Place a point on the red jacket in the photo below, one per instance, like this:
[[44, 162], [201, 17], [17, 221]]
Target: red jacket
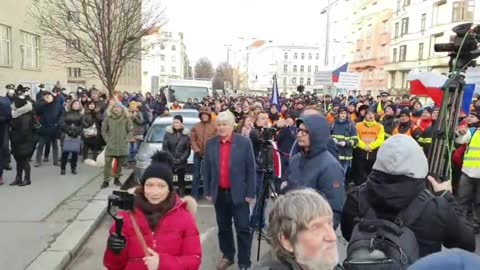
[[176, 240]]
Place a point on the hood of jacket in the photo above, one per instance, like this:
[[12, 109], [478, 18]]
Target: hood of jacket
[[185, 131], [110, 110], [389, 194], [319, 131], [17, 112]]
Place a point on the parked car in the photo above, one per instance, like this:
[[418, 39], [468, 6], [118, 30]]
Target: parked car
[[185, 113], [154, 140]]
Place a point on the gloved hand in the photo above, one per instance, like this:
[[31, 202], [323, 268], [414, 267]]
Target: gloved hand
[[342, 143], [116, 243]]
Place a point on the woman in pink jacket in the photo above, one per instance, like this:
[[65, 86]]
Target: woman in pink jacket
[[165, 221]]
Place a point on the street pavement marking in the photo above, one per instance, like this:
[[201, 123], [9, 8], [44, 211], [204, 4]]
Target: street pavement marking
[[204, 236]]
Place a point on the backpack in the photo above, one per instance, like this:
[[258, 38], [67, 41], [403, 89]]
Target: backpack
[[379, 244]]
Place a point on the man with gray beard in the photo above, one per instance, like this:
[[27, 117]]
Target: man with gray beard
[[301, 234]]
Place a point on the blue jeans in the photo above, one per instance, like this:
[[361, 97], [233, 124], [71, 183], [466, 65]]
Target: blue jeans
[[132, 149], [225, 211], [197, 176]]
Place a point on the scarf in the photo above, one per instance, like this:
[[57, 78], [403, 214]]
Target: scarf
[[17, 112], [154, 212]]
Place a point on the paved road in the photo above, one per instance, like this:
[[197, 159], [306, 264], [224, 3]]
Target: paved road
[[91, 255]]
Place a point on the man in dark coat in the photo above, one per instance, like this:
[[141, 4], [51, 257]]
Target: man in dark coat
[[5, 116], [229, 173]]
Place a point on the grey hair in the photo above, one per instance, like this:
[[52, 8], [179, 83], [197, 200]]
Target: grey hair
[[227, 117], [291, 214]]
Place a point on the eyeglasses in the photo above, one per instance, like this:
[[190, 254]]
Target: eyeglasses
[[302, 131]]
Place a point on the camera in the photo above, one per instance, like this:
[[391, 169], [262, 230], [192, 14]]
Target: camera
[[267, 134], [121, 199]]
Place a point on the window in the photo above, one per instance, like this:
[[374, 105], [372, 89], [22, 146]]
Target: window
[[74, 72], [174, 48], [294, 81], [396, 30], [285, 68], [463, 10], [392, 79], [309, 81], [382, 52], [174, 70], [162, 69], [385, 26], [316, 68], [285, 56], [162, 47], [5, 45], [394, 55], [368, 53], [294, 68], [317, 56], [423, 22], [434, 40], [399, 5], [404, 26], [30, 48], [406, 3], [310, 56], [301, 81], [420, 51], [309, 68], [73, 16], [440, 13], [370, 75], [174, 59], [162, 57], [302, 68], [404, 79], [302, 56], [403, 53], [295, 55]]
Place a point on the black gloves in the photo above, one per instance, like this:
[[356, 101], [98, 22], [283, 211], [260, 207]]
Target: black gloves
[[116, 243]]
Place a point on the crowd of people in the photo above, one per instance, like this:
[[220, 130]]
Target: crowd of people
[[341, 160]]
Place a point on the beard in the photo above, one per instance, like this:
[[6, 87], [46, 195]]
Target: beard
[[319, 263]]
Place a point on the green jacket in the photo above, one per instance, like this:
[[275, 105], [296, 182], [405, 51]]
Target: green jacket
[[116, 131]]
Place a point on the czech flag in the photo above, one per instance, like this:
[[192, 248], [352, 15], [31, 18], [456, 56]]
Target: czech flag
[[430, 84], [336, 72]]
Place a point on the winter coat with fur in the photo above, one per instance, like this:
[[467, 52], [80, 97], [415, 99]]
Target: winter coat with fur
[[72, 124], [176, 239], [177, 143], [22, 134], [116, 131]]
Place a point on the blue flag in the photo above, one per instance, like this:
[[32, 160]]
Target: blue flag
[[274, 99]]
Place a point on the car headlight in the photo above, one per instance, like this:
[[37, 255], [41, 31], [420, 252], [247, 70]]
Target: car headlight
[[143, 163]]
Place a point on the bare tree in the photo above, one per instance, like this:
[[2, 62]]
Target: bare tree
[[100, 35], [223, 74], [203, 69]]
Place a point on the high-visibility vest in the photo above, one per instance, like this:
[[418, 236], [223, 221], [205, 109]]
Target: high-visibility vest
[[471, 159]]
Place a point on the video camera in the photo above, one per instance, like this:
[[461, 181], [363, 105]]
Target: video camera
[[463, 46], [267, 134], [124, 201]]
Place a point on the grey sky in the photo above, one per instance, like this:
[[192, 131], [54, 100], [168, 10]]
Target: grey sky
[[210, 24]]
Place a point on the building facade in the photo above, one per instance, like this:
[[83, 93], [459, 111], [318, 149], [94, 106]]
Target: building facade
[[370, 52], [166, 59], [293, 65], [417, 26], [24, 58]]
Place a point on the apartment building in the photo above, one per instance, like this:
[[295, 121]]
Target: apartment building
[[25, 59], [371, 34], [418, 25]]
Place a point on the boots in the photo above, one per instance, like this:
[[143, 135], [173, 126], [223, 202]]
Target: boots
[[26, 180], [18, 180]]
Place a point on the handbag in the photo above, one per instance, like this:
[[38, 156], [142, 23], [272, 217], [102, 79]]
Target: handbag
[[71, 144], [91, 131]]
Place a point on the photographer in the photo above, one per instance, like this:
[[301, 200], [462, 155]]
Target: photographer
[[166, 222]]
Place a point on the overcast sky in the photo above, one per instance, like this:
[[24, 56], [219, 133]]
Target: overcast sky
[[210, 24]]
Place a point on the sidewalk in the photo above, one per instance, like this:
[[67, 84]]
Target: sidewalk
[[33, 218]]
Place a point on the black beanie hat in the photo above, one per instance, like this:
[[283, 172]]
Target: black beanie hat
[[405, 111], [161, 167], [342, 109], [178, 117]]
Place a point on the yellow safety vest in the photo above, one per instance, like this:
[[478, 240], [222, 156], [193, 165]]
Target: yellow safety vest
[[471, 159]]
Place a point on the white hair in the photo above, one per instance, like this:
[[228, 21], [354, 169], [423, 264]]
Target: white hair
[[227, 117]]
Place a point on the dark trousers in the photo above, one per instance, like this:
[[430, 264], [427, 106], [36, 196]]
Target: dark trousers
[[1, 165], [180, 181], [87, 147], [23, 165], [362, 168], [468, 195], [197, 176], [5, 146], [73, 160], [257, 220], [44, 142], [225, 211]]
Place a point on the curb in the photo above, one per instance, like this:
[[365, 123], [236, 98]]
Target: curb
[[67, 244]]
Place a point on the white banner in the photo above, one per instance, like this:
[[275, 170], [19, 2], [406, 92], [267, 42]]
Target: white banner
[[323, 78], [349, 80]]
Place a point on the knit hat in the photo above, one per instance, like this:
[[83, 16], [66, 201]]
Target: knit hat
[[161, 167], [391, 106], [204, 110], [401, 155], [405, 111], [342, 109], [428, 109], [178, 117]]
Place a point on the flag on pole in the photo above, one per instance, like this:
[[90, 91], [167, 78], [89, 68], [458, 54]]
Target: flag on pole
[[277, 160], [430, 84], [274, 99], [336, 72]]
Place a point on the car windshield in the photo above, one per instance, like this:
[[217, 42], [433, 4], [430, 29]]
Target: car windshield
[[185, 114], [182, 93], [157, 132]]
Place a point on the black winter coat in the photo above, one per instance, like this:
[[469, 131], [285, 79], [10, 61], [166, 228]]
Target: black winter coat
[[438, 224], [178, 144], [92, 118], [50, 115], [22, 134], [72, 124]]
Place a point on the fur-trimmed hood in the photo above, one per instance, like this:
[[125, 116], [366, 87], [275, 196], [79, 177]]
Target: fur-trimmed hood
[[17, 112], [185, 131], [110, 108]]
